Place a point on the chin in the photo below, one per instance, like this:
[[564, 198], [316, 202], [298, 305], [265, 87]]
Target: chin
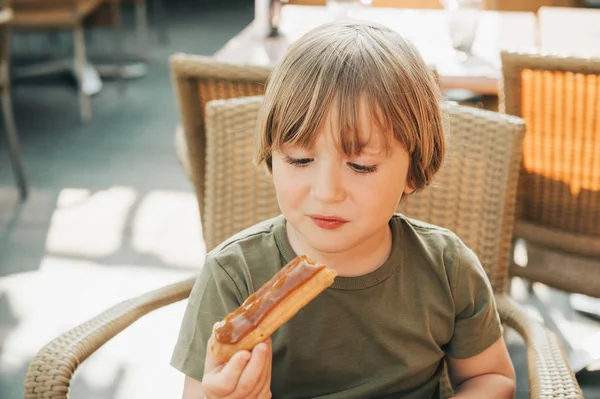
[[326, 241], [330, 248]]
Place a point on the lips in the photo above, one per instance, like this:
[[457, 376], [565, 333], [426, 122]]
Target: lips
[[328, 222]]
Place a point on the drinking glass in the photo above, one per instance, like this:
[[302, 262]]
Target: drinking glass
[[463, 20]]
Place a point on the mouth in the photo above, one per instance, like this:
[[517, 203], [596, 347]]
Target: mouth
[[328, 222], [329, 218]]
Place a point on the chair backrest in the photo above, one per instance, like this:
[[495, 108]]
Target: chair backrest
[[197, 80], [559, 190], [473, 194]]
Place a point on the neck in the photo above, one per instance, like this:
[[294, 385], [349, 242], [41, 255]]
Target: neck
[[357, 261]]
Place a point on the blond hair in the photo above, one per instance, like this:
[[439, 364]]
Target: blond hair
[[334, 65]]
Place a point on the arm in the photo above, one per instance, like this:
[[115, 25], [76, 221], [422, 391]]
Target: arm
[[489, 374], [478, 361]]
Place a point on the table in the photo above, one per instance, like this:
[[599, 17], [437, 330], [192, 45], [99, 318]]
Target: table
[[427, 29]]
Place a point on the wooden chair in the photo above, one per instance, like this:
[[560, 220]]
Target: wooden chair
[[52, 15], [559, 191], [6, 16], [484, 151]]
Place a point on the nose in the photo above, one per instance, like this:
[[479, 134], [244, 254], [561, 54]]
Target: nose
[[328, 183]]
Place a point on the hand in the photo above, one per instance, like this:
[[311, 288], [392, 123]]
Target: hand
[[247, 375]]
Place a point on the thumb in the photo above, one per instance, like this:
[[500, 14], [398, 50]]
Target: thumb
[[234, 367]]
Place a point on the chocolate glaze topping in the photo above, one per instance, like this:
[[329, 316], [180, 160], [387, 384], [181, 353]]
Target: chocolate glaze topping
[[244, 319]]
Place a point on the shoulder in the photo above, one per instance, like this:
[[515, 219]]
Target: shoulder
[[430, 237], [441, 249], [252, 237]]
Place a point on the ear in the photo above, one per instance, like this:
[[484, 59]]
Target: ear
[[408, 189]]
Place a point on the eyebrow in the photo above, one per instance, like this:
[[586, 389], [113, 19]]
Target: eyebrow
[[373, 151]]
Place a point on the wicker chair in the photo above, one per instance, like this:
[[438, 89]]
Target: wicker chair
[[559, 190], [474, 195], [198, 80]]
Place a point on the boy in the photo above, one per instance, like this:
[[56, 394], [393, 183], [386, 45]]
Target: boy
[[349, 126]]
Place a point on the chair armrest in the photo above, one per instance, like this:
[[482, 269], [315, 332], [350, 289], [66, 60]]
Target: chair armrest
[[51, 370], [549, 373]]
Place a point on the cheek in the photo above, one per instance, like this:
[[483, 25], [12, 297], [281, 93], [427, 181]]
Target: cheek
[[287, 185], [384, 195], [384, 192]]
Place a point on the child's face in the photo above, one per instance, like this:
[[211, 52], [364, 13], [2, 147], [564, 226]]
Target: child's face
[[334, 203]]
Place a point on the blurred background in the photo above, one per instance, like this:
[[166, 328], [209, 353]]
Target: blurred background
[[96, 206]]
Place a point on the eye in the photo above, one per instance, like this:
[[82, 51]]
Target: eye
[[362, 168], [300, 162]]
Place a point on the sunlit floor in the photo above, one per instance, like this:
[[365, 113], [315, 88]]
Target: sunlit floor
[[111, 215], [101, 248]]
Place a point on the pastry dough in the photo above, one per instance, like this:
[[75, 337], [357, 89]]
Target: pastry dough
[[276, 302]]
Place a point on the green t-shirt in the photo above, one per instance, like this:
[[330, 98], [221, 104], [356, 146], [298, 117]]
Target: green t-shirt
[[380, 335]]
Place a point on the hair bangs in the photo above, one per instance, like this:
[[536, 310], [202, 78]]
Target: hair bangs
[[347, 102], [360, 123]]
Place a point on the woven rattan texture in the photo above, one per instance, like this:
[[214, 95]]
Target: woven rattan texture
[[559, 189]]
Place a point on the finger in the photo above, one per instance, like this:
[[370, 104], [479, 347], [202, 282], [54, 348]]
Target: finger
[[270, 366], [265, 386], [250, 376], [264, 380], [266, 392], [224, 382]]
